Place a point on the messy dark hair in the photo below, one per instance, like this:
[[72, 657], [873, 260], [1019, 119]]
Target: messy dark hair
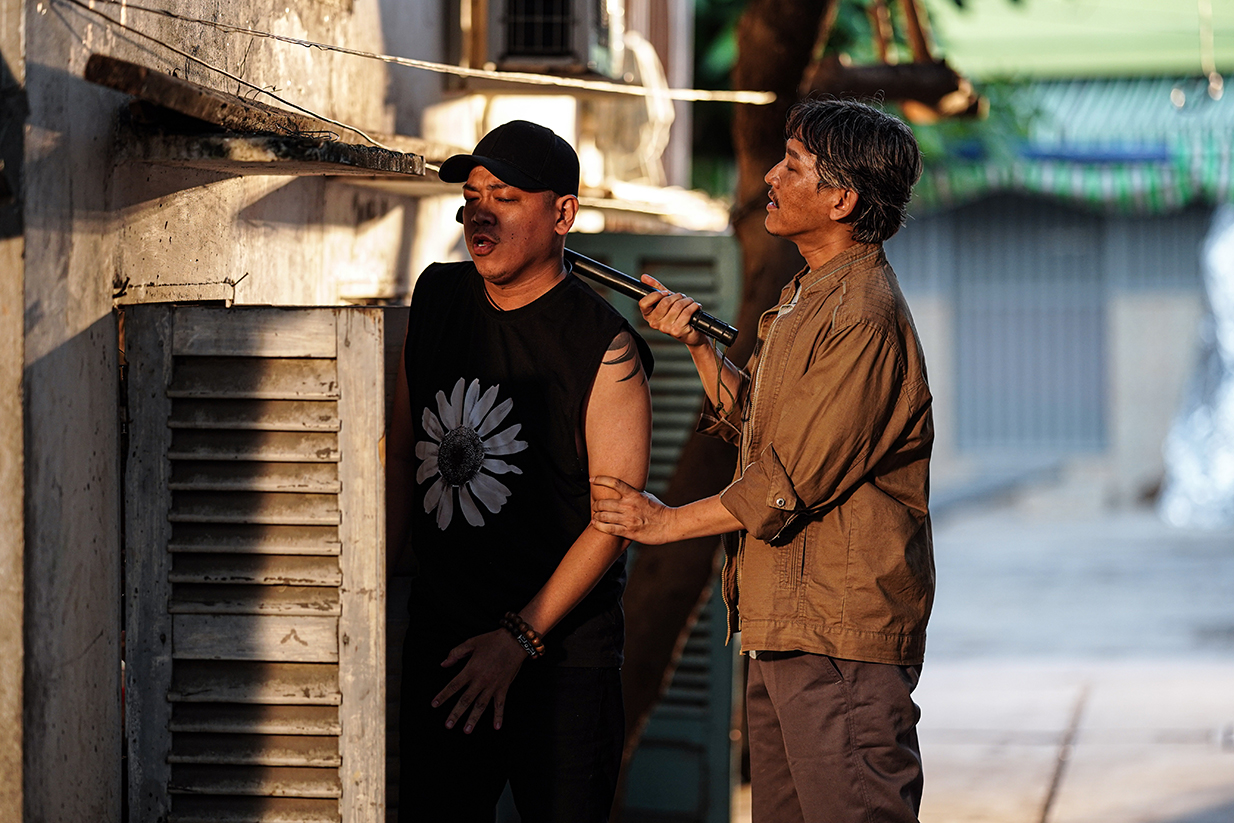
[[859, 147]]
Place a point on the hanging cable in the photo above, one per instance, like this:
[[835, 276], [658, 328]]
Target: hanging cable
[[757, 98]]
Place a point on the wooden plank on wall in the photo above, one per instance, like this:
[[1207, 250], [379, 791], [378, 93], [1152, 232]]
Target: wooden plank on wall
[[317, 751], [243, 538], [259, 415], [254, 719], [256, 332], [148, 626], [207, 475], [298, 639], [255, 507], [192, 99], [293, 447], [244, 116], [13, 111], [211, 681], [227, 598], [208, 809], [262, 569], [246, 378], [362, 640], [269, 781], [256, 154]]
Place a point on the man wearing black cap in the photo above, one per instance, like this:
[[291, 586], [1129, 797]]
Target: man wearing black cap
[[517, 382]]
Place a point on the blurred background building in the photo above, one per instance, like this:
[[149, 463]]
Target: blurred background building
[[1058, 268]]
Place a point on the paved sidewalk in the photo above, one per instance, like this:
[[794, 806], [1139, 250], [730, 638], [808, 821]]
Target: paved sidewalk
[[1123, 742], [1080, 668]]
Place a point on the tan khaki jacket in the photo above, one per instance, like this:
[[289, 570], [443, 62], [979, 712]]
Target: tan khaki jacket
[[834, 428]]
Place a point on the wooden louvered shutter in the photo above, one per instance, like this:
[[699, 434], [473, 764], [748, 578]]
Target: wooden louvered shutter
[[255, 568]]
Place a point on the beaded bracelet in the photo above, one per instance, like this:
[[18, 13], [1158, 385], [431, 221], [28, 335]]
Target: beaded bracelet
[[527, 631], [527, 647], [522, 639], [526, 636]]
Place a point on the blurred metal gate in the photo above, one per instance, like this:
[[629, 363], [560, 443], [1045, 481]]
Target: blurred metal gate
[[1030, 327]]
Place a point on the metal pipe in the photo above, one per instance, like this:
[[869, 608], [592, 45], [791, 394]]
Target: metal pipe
[[619, 281]]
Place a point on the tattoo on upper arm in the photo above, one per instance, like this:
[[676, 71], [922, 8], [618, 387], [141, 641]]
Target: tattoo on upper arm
[[624, 350]]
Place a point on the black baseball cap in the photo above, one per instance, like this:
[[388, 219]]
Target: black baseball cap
[[521, 154]]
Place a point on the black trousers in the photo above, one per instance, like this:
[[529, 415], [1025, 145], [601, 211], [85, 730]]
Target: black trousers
[[832, 741], [559, 747]]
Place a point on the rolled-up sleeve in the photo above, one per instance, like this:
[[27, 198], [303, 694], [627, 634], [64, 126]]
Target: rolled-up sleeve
[[828, 425], [725, 424]]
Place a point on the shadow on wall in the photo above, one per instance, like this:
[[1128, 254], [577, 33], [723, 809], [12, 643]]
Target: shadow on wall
[[13, 111], [173, 218], [415, 30], [72, 722]]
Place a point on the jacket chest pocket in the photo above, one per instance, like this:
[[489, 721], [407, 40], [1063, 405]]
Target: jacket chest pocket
[[771, 579], [790, 561], [789, 574]]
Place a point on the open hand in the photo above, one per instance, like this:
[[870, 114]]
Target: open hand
[[635, 514], [495, 659], [670, 312]]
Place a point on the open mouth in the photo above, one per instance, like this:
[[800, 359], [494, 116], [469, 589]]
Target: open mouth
[[772, 203], [482, 243]]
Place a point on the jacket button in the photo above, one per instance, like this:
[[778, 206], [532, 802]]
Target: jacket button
[[779, 501]]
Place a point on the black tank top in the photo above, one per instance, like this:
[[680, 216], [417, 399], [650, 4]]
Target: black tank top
[[501, 491]]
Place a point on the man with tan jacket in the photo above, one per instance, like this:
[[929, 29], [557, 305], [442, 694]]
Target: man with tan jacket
[[832, 578]]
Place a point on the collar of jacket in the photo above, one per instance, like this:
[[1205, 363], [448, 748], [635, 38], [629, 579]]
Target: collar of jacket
[[852, 256]]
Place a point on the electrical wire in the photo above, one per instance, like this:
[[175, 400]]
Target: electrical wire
[[757, 98]]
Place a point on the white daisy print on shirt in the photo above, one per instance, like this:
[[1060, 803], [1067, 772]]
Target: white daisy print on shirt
[[463, 455]]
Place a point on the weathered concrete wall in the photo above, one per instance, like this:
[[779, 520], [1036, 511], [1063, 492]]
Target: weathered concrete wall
[[284, 240], [72, 684], [301, 241], [12, 117], [92, 224], [414, 30]]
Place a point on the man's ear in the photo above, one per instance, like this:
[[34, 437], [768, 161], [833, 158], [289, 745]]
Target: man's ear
[[843, 202], [566, 208]]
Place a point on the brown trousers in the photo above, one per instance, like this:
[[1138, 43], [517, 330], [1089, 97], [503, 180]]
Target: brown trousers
[[832, 741]]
